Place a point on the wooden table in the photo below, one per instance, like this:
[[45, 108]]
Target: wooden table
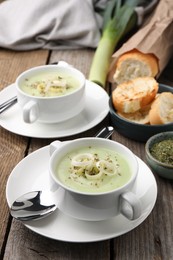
[[153, 239]]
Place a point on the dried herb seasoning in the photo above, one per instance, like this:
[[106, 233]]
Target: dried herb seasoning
[[163, 151]]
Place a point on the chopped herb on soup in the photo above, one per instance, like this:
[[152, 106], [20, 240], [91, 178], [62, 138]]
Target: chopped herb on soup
[[93, 169], [50, 84]]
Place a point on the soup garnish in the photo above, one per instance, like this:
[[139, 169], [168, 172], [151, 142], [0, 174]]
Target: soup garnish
[[50, 84], [93, 169]]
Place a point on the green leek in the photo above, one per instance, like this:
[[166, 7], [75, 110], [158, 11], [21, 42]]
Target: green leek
[[118, 20]]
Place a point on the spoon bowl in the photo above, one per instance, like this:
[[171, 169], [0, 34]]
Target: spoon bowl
[[33, 205]]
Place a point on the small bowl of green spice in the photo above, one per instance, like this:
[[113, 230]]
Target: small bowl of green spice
[[159, 154]]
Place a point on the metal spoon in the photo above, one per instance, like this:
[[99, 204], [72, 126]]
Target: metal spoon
[[7, 104], [33, 205], [38, 204]]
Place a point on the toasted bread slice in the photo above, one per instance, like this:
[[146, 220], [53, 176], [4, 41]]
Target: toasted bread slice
[[134, 64], [161, 111], [139, 117], [135, 94]]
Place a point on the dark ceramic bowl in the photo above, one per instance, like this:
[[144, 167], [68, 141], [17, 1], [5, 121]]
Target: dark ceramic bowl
[[162, 169], [138, 132]]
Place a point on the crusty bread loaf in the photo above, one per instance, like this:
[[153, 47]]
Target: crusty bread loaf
[[135, 94], [161, 111], [134, 64], [140, 117]]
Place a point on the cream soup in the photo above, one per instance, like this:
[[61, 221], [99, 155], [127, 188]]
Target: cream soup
[[93, 169], [50, 84]]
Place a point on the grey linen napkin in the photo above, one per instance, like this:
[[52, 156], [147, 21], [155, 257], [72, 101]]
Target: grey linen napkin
[[50, 24]]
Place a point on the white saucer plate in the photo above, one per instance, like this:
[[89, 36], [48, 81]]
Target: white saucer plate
[[96, 109], [32, 174]]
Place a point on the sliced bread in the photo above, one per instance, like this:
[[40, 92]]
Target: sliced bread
[[134, 64], [161, 111], [134, 95]]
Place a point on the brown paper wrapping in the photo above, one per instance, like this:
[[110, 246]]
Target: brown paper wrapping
[[155, 36]]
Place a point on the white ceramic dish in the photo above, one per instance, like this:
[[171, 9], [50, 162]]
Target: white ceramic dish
[[96, 109], [50, 109], [90, 203], [32, 174]]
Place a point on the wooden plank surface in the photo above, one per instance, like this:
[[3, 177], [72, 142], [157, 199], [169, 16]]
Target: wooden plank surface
[[13, 147], [153, 239]]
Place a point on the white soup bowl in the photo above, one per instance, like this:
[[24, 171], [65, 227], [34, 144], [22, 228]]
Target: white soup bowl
[[52, 109], [98, 205]]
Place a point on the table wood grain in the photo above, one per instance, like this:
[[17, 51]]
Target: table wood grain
[[153, 239]]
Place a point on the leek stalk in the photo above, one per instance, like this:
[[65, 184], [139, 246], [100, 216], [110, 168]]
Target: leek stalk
[[118, 20]]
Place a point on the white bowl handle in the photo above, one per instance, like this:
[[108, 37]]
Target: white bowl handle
[[56, 145], [64, 64], [130, 205], [30, 112]]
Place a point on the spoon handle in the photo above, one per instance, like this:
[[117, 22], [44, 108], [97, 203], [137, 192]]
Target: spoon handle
[[105, 132], [7, 104]]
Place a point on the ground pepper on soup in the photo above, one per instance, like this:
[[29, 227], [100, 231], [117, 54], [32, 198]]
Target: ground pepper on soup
[[93, 169], [50, 84]]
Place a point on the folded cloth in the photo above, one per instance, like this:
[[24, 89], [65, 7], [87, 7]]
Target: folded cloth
[[53, 24]]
